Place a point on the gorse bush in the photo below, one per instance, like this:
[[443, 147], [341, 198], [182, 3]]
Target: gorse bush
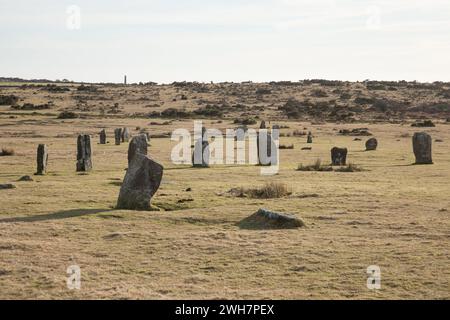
[[351, 167], [8, 100], [268, 191], [316, 166], [67, 115], [7, 152]]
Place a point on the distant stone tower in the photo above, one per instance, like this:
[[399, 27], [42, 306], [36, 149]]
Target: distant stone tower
[[125, 80]]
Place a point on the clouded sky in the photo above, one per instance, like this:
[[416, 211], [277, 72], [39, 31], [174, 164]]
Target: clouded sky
[[225, 40]]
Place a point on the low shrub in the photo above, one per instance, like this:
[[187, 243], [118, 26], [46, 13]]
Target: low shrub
[[7, 152], [268, 191], [8, 100], [350, 168], [317, 166], [286, 147], [67, 115]]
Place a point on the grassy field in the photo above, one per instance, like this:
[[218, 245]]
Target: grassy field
[[393, 214]]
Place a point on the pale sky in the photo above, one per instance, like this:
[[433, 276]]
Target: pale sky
[[225, 40]]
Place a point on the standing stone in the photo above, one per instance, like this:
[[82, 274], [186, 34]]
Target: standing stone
[[118, 135], [422, 148], [84, 161], [339, 156], [201, 147], [265, 149], [371, 144], [103, 137], [267, 153], [309, 138], [138, 144], [200, 155], [141, 182], [147, 134], [125, 135], [42, 159]]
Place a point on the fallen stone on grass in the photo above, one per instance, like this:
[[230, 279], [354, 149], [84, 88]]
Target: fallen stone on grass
[[355, 132], [7, 186], [25, 178], [265, 219]]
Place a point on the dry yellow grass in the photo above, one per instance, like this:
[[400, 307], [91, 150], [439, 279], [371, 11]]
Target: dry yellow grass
[[394, 215]]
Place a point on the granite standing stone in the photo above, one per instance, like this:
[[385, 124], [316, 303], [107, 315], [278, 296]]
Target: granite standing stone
[[42, 159], [125, 135], [84, 153], [371, 144], [138, 144], [339, 156], [422, 148], [103, 137], [141, 182], [118, 136], [309, 139]]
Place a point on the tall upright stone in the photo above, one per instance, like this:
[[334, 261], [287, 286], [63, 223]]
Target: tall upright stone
[[125, 135], [138, 144], [422, 148], [262, 125], [103, 137], [141, 182], [117, 136], [339, 156], [200, 156], [266, 147], [42, 159], [309, 139], [84, 153]]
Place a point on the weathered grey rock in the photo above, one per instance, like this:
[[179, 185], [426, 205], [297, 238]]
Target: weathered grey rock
[[84, 153], [138, 144], [125, 135], [7, 186], [147, 134], [309, 139], [371, 144], [200, 156], [339, 156], [264, 149], [141, 182], [41, 159], [25, 178], [422, 148], [265, 219], [117, 136], [103, 137]]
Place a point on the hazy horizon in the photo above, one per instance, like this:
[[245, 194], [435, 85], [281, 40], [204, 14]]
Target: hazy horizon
[[226, 41]]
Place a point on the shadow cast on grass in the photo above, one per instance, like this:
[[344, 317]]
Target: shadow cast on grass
[[65, 214]]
